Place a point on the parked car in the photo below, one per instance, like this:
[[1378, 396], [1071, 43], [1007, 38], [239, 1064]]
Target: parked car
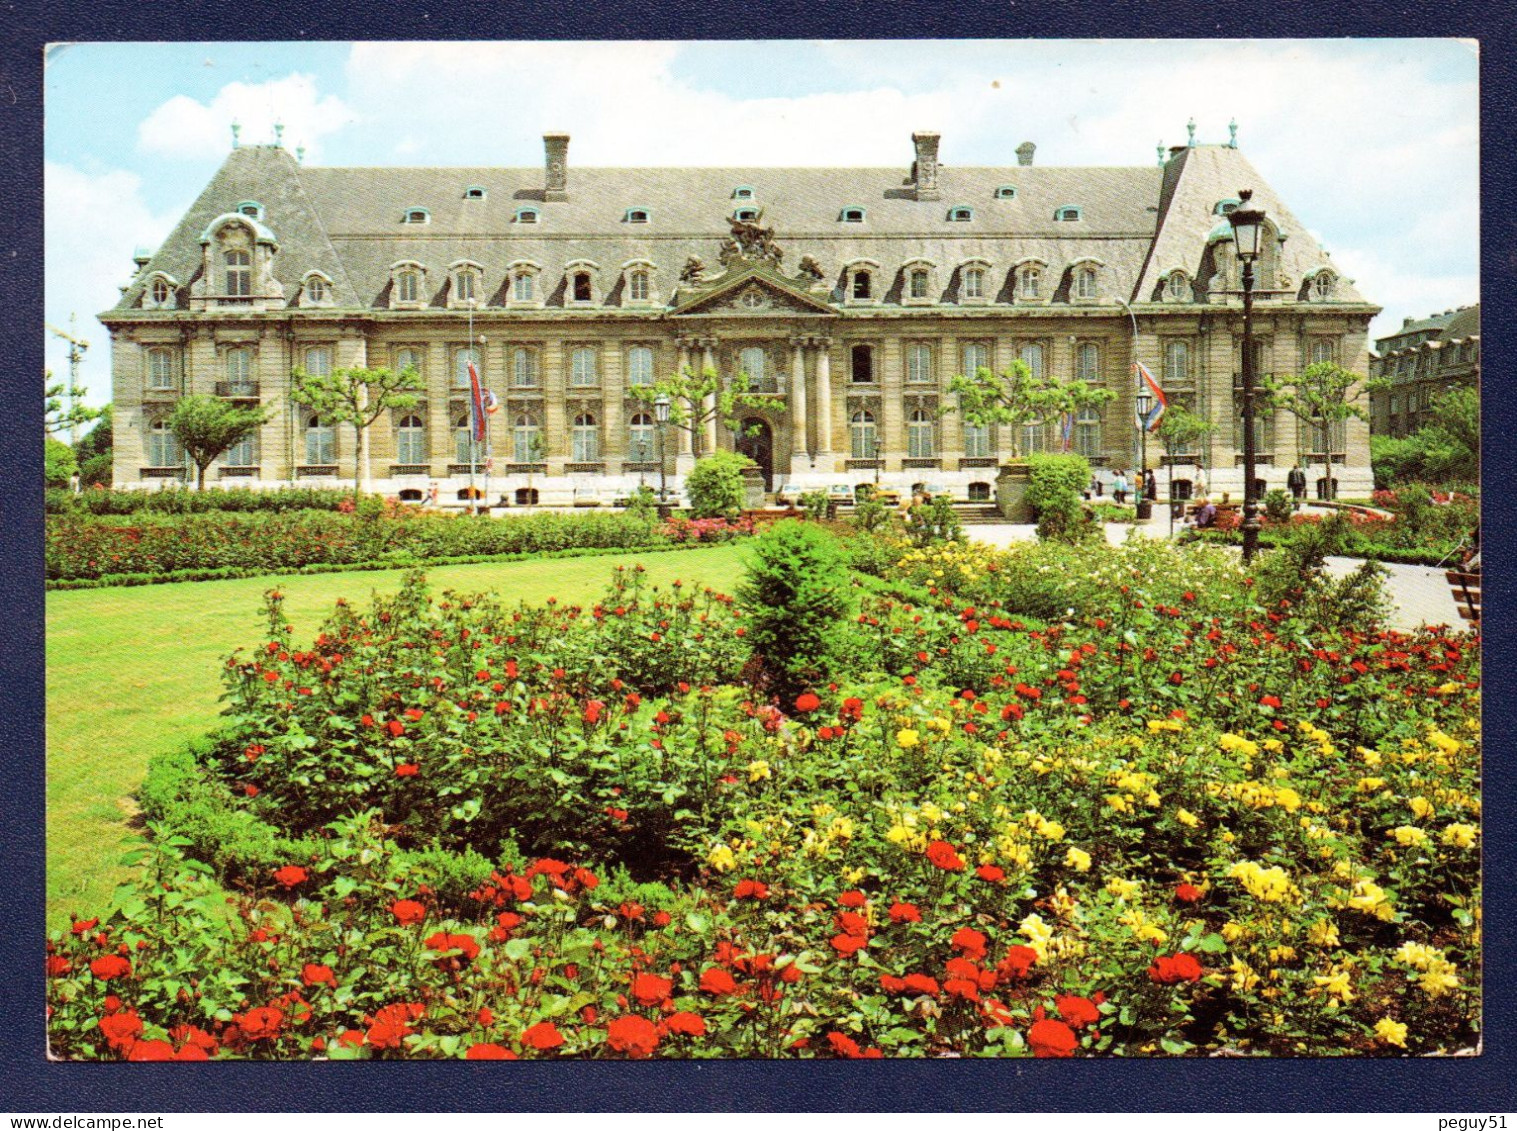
[[840, 493], [887, 495], [586, 497], [936, 491]]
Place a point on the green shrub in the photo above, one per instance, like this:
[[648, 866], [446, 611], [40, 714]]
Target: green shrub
[[1278, 506], [715, 486], [815, 504], [59, 462], [795, 591], [934, 521], [1055, 491]]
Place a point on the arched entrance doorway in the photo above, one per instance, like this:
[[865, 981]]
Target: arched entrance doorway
[[756, 441]]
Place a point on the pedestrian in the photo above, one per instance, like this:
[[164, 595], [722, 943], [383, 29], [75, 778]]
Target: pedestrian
[[1151, 485], [432, 494], [1198, 485], [1095, 483], [1119, 487], [1206, 514], [1296, 481]]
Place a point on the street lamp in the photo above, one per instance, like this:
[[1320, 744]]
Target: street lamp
[[876, 440], [1145, 508], [661, 415], [642, 464], [1248, 230]]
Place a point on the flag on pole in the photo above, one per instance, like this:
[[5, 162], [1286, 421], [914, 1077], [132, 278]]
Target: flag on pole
[[1161, 402], [492, 403], [477, 404]]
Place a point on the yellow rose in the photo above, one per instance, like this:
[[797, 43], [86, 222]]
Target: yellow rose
[[1077, 859], [907, 738], [721, 858], [1187, 818], [1391, 1032], [1460, 836], [758, 771], [1421, 808]]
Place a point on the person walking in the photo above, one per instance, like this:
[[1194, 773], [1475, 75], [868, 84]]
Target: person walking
[[1119, 487], [1151, 486], [1296, 481]]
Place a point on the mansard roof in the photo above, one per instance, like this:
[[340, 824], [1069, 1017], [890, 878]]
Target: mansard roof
[[349, 224]]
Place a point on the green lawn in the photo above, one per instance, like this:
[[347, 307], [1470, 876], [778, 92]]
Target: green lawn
[[134, 671]]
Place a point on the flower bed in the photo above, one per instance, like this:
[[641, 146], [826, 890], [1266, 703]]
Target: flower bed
[[1176, 823]]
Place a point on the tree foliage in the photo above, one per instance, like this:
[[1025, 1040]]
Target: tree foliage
[[716, 487], [795, 593], [696, 399], [1179, 429], [358, 397], [58, 461], [1444, 451], [95, 451], [206, 426], [63, 407], [1323, 396], [1018, 397]]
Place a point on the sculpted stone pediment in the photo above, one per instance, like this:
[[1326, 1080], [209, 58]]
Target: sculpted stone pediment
[[752, 293]]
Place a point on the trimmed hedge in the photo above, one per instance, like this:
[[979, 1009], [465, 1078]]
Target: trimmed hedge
[[1369, 551], [93, 547], [181, 500]]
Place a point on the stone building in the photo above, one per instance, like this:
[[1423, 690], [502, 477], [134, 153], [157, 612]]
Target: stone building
[[851, 297], [1421, 360]]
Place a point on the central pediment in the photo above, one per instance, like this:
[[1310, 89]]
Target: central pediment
[[752, 291]]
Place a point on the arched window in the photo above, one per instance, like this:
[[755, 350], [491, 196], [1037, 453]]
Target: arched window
[[977, 441], [1088, 361], [411, 441], [321, 443], [408, 357], [976, 357], [919, 367], [863, 284], [583, 371], [1067, 213], [979, 492], [408, 286], [742, 192], [861, 361], [640, 439], [463, 433], [921, 435], [637, 215], [1088, 432], [863, 440], [746, 214], [526, 215], [244, 453], [161, 291], [974, 282], [1029, 282], [852, 216], [524, 370], [316, 289], [1006, 192], [585, 436], [317, 361], [251, 208], [1177, 287], [417, 216], [161, 369], [1085, 282], [461, 359], [638, 288], [526, 439], [239, 273], [750, 361], [1031, 354], [581, 287], [640, 365], [1176, 363], [474, 192], [163, 448], [1322, 286]]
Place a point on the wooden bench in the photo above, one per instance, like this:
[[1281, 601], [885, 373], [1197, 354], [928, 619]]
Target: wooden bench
[[1466, 588]]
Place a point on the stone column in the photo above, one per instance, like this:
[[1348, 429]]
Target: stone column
[[799, 442], [556, 443], [441, 446], [892, 403], [824, 450], [708, 364]]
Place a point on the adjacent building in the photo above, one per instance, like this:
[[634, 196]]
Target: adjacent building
[[1422, 359], [848, 297]]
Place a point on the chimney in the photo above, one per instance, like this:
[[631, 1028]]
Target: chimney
[[924, 170], [1025, 152], [556, 152]]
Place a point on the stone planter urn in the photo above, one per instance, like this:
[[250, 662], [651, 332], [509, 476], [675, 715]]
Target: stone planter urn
[[1011, 492], [753, 488]]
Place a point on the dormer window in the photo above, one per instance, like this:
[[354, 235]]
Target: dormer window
[[316, 290], [239, 274], [580, 286], [1177, 287], [524, 291], [526, 215], [863, 284], [1068, 213], [251, 208], [960, 215], [1322, 286], [1086, 282], [918, 282], [160, 292], [742, 192], [1006, 192], [417, 216], [523, 288], [468, 283], [974, 282], [407, 284], [746, 214], [637, 286], [1030, 282], [1226, 205], [637, 282], [638, 215], [474, 192], [852, 216]]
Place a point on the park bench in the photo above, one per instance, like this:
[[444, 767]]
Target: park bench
[[1466, 588]]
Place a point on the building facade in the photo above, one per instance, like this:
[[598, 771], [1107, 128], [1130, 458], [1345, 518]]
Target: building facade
[[849, 297], [1424, 358]]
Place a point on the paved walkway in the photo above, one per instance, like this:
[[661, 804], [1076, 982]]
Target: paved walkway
[[1419, 594]]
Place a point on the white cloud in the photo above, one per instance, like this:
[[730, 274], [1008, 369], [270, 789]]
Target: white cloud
[[183, 127], [92, 224]]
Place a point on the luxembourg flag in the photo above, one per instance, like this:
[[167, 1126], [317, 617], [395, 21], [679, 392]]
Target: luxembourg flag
[[478, 405], [1161, 402]]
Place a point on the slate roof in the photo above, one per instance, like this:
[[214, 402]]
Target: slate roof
[[348, 222], [1447, 326]]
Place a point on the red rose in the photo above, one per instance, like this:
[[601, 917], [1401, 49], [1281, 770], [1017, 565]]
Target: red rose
[[195, 1052], [121, 1029], [1169, 969], [1270, 701], [396, 728], [407, 770], [110, 966], [970, 941], [843, 1046], [84, 926], [851, 923], [1077, 1011], [290, 875], [849, 945], [904, 913], [854, 899], [662, 918], [1051, 1038], [442, 940], [487, 1051], [407, 911], [1187, 893], [57, 966], [649, 989], [990, 873], [941, 854], [718, 981], [636, 1036], [261, 1024], [752, 889], [543, 1037], [152, 1050], [314, 975], [921, 984], [593, 711], [1018, 962], [807, 702], [686, 1024]]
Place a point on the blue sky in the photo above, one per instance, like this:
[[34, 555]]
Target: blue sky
[[1374, 143]]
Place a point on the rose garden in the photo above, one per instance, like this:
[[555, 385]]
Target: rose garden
[[833, 789]]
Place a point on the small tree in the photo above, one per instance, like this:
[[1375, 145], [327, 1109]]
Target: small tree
[[358, 397], [207, 426], [58, 462], [688, 395], [64, 408], [1323, 397], [95, 451], [716, 486], [1179, 429], [795, 593], [1017, 397]]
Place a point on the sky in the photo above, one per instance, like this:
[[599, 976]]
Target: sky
[[1373, 143]]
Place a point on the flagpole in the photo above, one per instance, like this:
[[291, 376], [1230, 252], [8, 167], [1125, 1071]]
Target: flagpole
[[473, 417], [1133, 368]]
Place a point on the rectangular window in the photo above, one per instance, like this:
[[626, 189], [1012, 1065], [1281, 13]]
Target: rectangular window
[[919, 284], [919, 363], [582, 370], [1088, 362], [977, 440], [921, 438], [461, 359], [408, 357], [244, 453], [522, 288], [407, 285], [160, 369], [321, 447], [524, 368], [524, 441], [1322, 350], [974, 282], [1176, 363], [1031, 355], [640, 365], [861, 359], [586, 447], [637, 286], [1264, 427], [1088, 433], [317, 362], [976, 357]]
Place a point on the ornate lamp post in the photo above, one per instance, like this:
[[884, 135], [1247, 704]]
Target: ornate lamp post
[[876, 439], [1143, 402], [661, 415], [1248, 230], [642, 468]]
